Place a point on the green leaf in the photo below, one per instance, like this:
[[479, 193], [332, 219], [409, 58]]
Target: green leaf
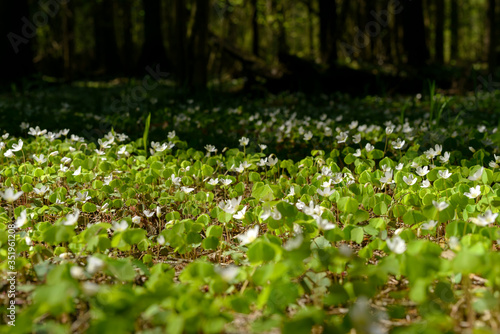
[[413, 217], [357, 234], [146, 133], [263, 193], [260, 251], [210, 243], [214, 231], [348, 204], [121, 269], [89, 207]]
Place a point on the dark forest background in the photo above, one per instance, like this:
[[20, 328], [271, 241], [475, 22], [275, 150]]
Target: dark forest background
[[274, 44]]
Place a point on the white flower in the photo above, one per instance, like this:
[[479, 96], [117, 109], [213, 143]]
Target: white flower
[[108, 179], [226, 182], [121, 226], [486, 219], [244, 141], [389, 129], [398, 144], [294, 243], [187, 190], [438, 149], [440, 206], [477, 175], [473, 192], [63, 168], [89, 288], [410, 180], [400, 166], [396, 245], [8, 154], [249, 236], [308, 136], [82, 197], [213, 182], [171, 134], [94, 264], [21, 220], [357, 154], [123, 151], [78, 171], [422, 171], [71, 218], [158, 211], [210, 148], [324, 224], [41, 159], [472, 149], [342, 137], [356, 139], [262, 146], [10, 196], [429, 225], [494, 164], [387, 178], [161, 240], [326, 192], [175, 180], [272, 161], [18, 146], [425, 184], [77, 272], [444, 174], [369, 147], [136, 220], [291, 192], [228, 273], [148, 213], [240, 214], [231, 205], [454, 243], [445, 158]]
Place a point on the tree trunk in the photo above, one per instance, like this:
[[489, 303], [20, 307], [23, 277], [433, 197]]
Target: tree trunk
[[127, 50], [454, 30], [106, 49], [492, 35], [439, 32], [328, 31], [198, 47], [68, 31], [414, 33], [16, 53], [255, 28], [153, 51], [180, 42]]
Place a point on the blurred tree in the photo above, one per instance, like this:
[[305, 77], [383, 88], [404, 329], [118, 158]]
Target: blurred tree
[[414, 33], [492, 35], [439, 32], [153, 50], [328, 31], [454, 25], [106, 56], [198, 47], [16, 54]]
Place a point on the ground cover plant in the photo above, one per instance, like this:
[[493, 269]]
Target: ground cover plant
[[282, 220]]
